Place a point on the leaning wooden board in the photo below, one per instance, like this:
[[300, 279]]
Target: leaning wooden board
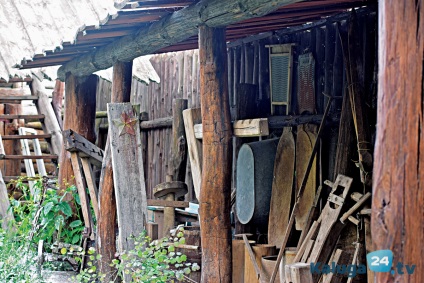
[[282, 188], [304, 144], [128, 174]]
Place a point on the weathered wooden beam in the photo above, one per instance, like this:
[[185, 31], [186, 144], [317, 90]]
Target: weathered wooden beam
[[106, 239], [191, 117], [279, 122], [75, 142], [242, 128], [12, 91], [215, 194], [157, 123], [17, 98], [397, 203], [21, 137], [85, 203], [128, 174], [165, 203], [172, 29], [25, 117], [21, 157]]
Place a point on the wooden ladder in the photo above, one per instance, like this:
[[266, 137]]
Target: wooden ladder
[[26, 157]]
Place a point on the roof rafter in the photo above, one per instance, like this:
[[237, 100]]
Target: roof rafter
[[172, 29]]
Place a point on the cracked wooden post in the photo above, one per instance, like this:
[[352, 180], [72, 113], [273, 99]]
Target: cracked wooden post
[[106, 240], [217, 157], [80, 115], [398, 173]]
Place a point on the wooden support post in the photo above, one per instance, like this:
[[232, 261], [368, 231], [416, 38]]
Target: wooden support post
[[106, 239], [398, 190], [80, 110], [217, 157]]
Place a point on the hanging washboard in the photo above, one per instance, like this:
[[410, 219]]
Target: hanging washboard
[[280, 72]]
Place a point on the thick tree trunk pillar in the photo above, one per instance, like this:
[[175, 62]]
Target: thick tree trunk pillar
[[398, 187], [80, 115], [106, 238], [215, 193]]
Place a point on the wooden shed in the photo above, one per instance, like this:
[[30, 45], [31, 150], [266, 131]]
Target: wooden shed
[[319, 100]]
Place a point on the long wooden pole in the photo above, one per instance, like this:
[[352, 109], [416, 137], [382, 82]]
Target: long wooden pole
[[215, 193], [300, 192], [106, 239], [398, 173]]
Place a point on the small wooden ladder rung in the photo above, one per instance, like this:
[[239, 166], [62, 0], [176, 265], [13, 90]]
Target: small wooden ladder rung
[[25, 117], [21, 157], [28, 137], [8, 99], [8, 179]]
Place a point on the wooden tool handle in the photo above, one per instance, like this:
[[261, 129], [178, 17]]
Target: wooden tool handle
[[252, 256]]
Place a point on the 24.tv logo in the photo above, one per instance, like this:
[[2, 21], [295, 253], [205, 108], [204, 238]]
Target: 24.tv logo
[[382, 261]]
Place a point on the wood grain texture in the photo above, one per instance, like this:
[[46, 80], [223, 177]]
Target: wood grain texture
[[91, 184], [178, 160], [192, 117], [178, 26], [242, 128], [304, 144], [80, 184], [106, 223], [215, 194], [282, 188], [258, 251], [128, 176], [80, 111], [398, 190]]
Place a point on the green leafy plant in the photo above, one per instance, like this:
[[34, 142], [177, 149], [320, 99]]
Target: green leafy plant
[[54, 213], [157, 261]]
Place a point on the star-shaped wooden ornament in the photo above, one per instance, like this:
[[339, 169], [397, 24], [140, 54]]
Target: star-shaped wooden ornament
[[126, 124]]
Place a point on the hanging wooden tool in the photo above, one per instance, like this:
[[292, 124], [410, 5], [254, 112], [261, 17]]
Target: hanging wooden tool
[[302, 187], [304, 143], [282, 188], [330, 214]]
